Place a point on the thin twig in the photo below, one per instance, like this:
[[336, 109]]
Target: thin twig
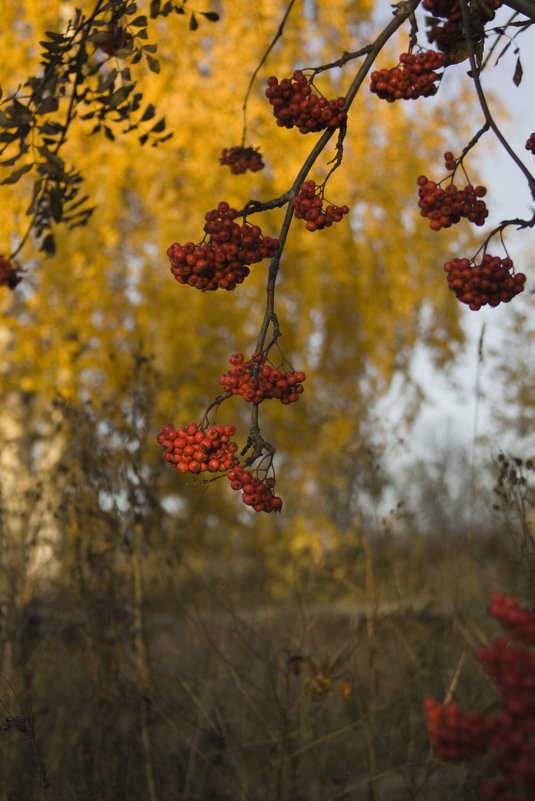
[[482, 100], [260, 65]]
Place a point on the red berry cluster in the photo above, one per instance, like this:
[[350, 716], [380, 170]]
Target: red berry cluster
[[196, 450], [240, 159], [518, 621], [294, 104], [443, 207], [489, 282], [8, 274], [116, 39], [256, 492], [450, 9], [455, 735], [530, 144], [255, 380], [449, 160], [508, 737], [308, 205], [414, 77], [449, 37], [222, 261]]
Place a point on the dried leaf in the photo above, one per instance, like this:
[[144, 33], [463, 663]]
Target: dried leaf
[[517, 77], [149, 112], [154, 64], [159, 127], [14, 177]]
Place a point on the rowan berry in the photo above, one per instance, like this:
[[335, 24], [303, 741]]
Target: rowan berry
[[530, 144], [444, 207], [308, 205], [256, 492], [490, 282], [117, 38], [507, 739], [8, 274], [240, 159], [223, 261], [255, 380], [413, 77], [196, 450], [294, 104]]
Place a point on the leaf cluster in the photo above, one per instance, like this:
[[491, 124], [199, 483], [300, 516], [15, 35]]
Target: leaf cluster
[[86, 75]]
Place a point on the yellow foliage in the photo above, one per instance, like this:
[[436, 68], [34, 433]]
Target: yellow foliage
[[353, 301]]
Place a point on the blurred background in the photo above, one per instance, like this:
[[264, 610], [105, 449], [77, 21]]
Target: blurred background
[[158, 639]]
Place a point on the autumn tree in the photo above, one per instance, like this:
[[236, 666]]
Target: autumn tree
[[275, 154]]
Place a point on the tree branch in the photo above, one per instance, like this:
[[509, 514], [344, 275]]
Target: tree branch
[[526, 7]]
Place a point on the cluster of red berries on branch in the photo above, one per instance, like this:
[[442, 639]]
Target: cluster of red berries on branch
[[222, 262], [449, 36], [414, 77], [449, 9], [490, 282], [116, 39], [8, 274], [256, 492], [255, 380], [195, 450], [507, 738], [530, 144], [517, 621], [444, 207], [308, 205], [455, 735], [450, 161], [240, 159], [294, 104]]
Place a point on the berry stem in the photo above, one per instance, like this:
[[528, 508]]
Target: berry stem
[[483, 102], [259, 66]]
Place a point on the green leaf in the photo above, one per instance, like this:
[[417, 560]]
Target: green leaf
[[51, 158], [106, 81], [154, 64], [154, 8], [35, 194], [131, 9], [143, 139], [149, 48], [48, 245], [47, 105], [162, 139], [51, 128], [14, 177], [210, 15], [139, 22], [159, 127], [117, 97], [109, 133], [56, 203], [193, 24], [168, 7], [148, 114], [18, 114]]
